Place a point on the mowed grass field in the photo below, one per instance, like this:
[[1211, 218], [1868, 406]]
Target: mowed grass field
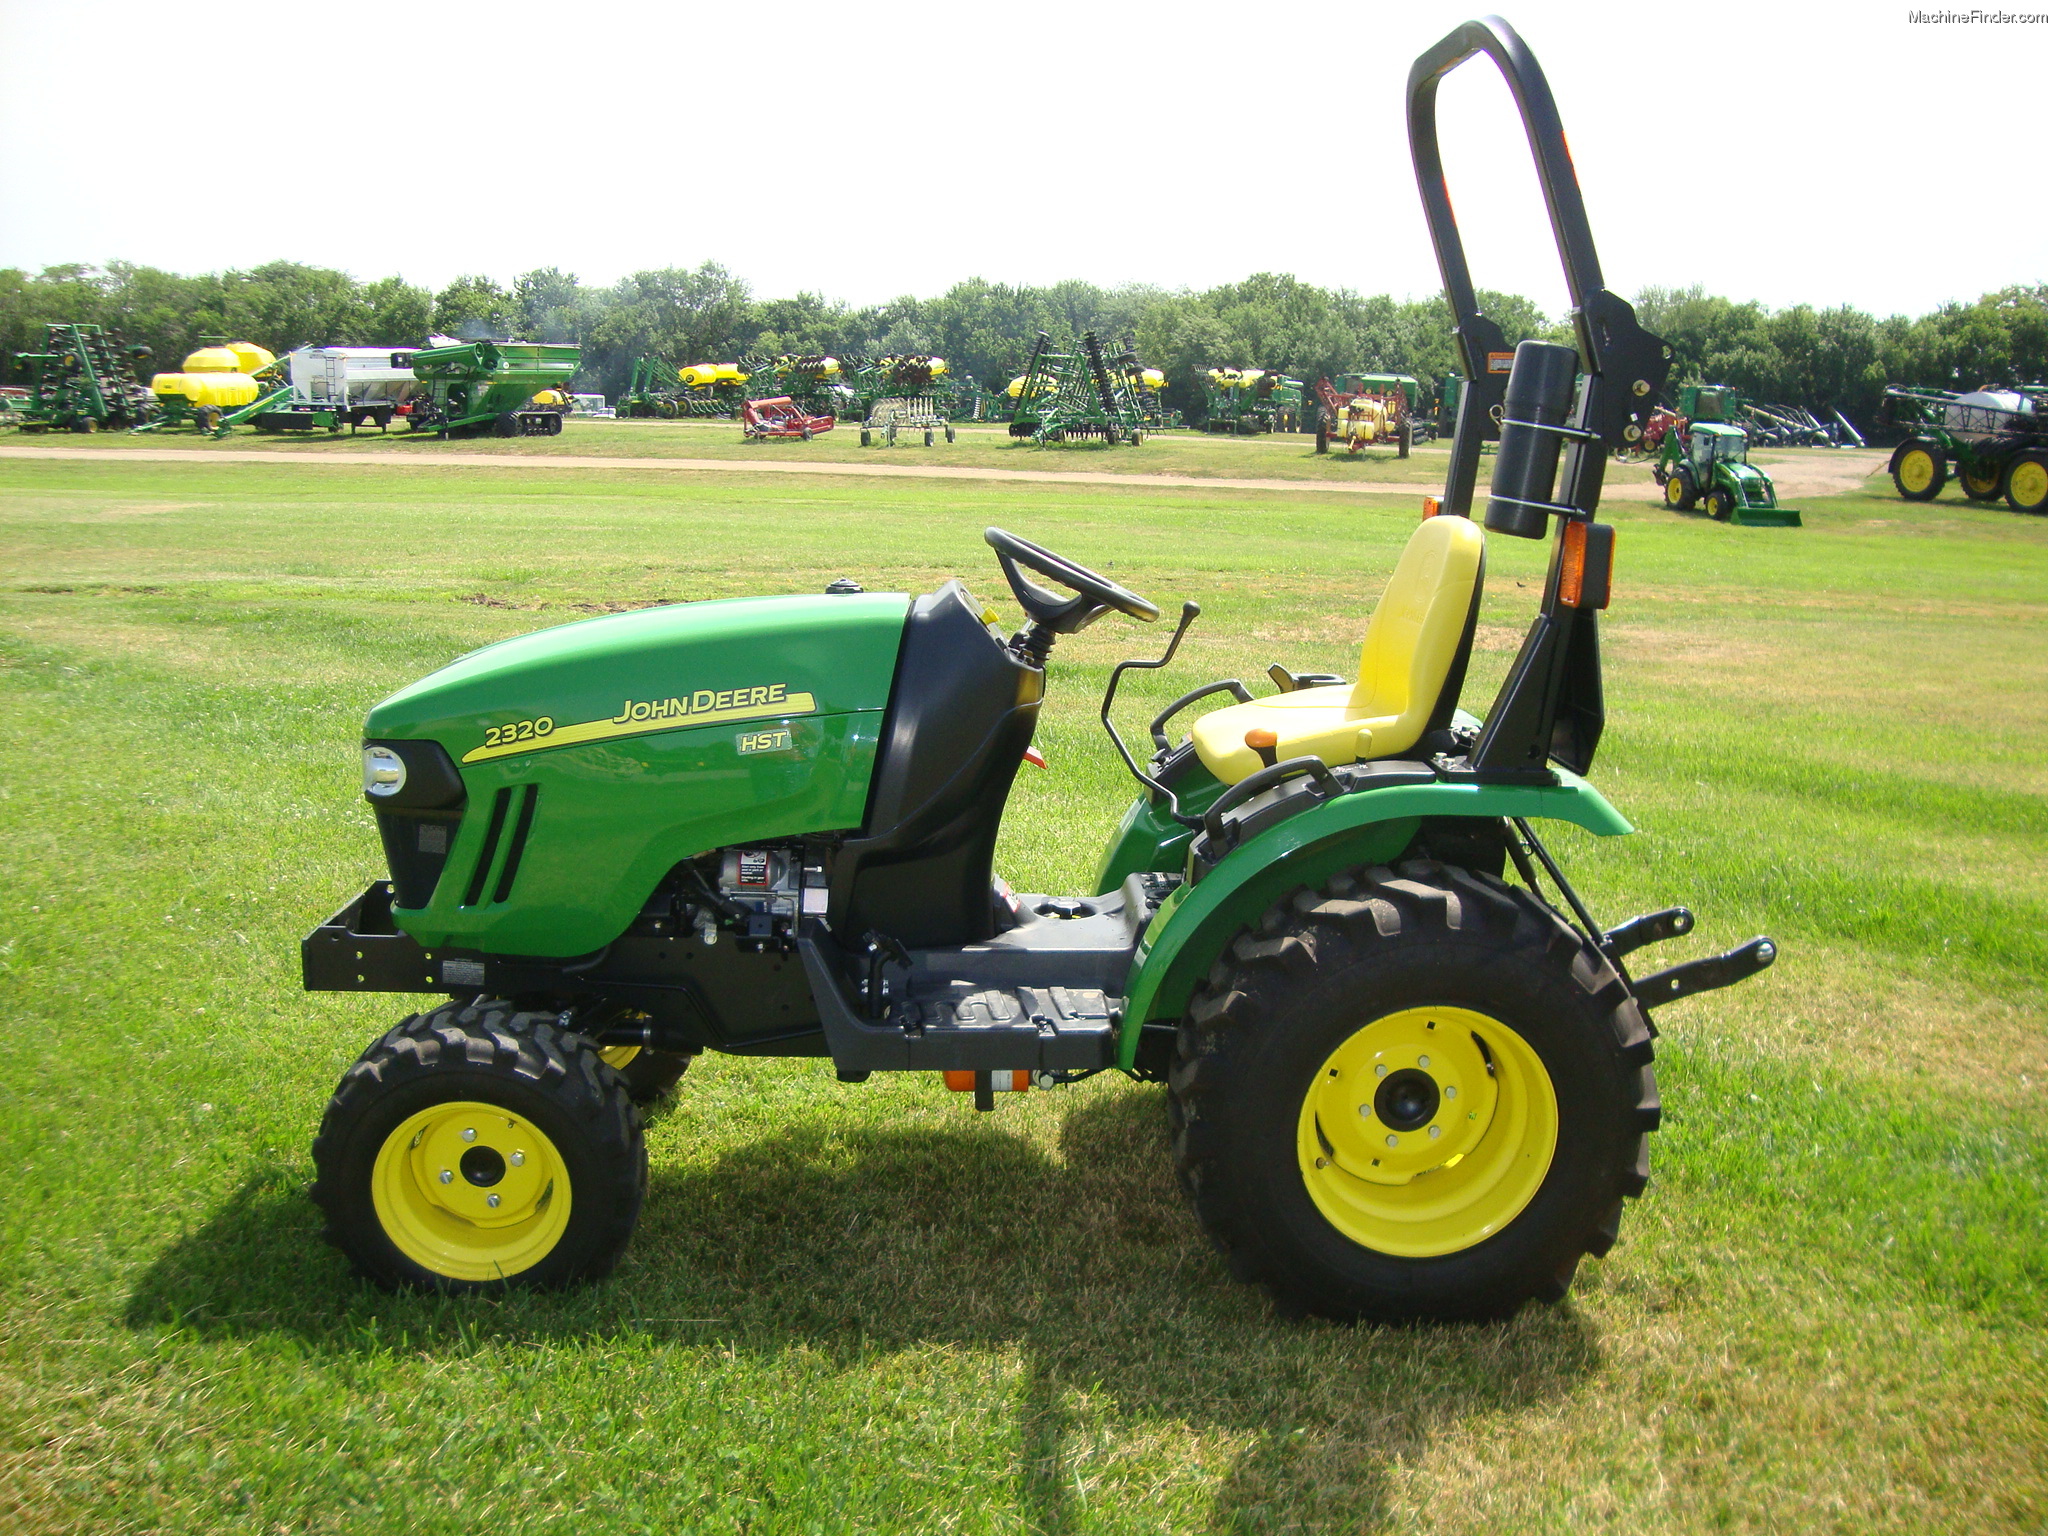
[[869, 1309]]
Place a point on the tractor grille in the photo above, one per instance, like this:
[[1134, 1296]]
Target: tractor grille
[[509, 827]]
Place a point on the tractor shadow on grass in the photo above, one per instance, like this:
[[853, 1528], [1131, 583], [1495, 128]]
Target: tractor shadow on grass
[[859, 1242]]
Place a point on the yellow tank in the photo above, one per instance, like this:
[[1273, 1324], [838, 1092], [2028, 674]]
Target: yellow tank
[[226, 390], [1154, 379], [728, 373], [213, 360], [551, 397], [1366, 419], [1016, 387], [252, 358], [938, 366], [699, 375]]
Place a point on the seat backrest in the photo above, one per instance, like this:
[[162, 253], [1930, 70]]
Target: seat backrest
[[1420, 636]]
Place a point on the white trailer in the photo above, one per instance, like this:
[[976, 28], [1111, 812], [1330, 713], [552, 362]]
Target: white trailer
[[337, 386]]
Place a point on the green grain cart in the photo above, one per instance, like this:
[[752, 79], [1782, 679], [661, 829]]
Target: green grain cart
[[511, 388]]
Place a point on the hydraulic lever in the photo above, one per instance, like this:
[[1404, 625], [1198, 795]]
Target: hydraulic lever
[[1189, 612]]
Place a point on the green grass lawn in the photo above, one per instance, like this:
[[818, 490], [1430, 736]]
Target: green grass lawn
[[869, 1309]]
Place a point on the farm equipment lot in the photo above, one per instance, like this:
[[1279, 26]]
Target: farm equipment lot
[[866, 1308]]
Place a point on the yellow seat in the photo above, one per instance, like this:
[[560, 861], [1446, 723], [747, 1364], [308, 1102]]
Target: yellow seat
[[1417, 638]]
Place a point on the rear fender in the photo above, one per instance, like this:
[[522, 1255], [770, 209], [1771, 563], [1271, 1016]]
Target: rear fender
[[1368, 827]]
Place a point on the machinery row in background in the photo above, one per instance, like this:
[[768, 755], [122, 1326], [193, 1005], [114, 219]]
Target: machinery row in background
[[86, 380], [1993, 442]]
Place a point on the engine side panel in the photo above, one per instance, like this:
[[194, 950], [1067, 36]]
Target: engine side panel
[[597, 755]]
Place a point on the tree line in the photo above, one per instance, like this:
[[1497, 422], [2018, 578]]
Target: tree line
[[1801, 355]]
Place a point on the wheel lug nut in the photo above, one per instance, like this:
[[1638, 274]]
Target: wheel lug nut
[[1435, 1131], [518, 1159], [470, 1134], [491, 1201], [447, 1175], [1380, 1070], [1422, 1061], [1451, 1092], [1393, 1141]]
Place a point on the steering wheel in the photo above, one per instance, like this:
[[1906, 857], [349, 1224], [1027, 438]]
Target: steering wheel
[[1048, 610]]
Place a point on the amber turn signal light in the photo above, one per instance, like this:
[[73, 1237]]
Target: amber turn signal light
[[1585, 575]]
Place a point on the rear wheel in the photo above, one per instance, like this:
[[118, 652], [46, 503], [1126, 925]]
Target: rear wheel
[[1979, 482], [2026, 483], [476, 1147], [928, 437], [1919, 471], [1322, 437], [1678, 491], [1412, 1096]]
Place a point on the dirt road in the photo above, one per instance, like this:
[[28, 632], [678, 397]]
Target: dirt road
[[1833, 474]]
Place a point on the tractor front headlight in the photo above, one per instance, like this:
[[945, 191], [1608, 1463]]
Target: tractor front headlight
[[383, 772]]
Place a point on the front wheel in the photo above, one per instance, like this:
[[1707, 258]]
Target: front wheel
[[1720, 505], [1919, 471], [479, 1148], [649, 1075], [1412, 1096]]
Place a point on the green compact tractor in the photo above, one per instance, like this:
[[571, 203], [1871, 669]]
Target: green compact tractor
[[1708, 462], [509, 388], [1994, 440], [1408, 1074]]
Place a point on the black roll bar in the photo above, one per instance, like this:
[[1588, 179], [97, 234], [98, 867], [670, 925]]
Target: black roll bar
[[1555, 440], [1625, 365]]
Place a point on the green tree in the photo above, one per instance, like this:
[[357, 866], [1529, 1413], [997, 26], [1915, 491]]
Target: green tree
[[473, 308]]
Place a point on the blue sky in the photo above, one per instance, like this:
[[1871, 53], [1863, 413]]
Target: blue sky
[[1833, 154]]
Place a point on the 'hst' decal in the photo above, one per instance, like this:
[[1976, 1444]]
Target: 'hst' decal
[[637, 717]]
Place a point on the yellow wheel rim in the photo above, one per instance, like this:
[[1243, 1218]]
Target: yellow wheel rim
[[618, 1057], [471, 1191], [1916, 470], [1674, 491], [1427, 1131], [2029, 483], [1979, 485]]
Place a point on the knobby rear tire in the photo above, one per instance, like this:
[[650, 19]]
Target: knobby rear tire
[[1319, 967]]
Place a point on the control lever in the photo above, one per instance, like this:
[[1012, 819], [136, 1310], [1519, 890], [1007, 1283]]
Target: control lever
[[1189, 612]]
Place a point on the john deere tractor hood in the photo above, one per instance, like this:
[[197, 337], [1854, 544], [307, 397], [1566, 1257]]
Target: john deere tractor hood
[[595, 756]]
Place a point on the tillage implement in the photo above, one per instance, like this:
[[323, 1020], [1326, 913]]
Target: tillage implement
[[1407, 1073]]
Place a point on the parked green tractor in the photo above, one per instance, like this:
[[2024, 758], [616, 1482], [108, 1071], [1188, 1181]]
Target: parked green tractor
[[511, 388], [1995, 441], [1408, 1075], [1706, 463]]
